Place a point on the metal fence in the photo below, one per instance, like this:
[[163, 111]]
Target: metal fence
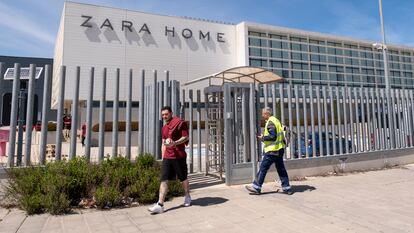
[[321, 120]]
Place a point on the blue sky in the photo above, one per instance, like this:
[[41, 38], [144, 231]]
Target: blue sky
[[29, 27]]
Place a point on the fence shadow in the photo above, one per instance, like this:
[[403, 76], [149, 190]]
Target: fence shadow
[[203, 202], [200, 180]]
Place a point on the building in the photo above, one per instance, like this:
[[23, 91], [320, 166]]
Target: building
[[97, 36], [6, 86]]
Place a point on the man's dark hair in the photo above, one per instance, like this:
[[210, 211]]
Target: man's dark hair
[[166, 108]]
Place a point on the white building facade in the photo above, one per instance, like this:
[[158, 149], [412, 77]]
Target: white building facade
[[98, 36]]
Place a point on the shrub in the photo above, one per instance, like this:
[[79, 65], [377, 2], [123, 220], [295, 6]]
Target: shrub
[[107, 197], [59, 186]]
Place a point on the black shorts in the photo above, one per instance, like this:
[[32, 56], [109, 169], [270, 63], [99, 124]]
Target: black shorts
[[173, 168]]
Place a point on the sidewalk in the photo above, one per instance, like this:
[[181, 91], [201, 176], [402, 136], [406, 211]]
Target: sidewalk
[[377, 201]]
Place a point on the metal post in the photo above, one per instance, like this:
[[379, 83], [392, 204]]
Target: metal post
[[395, 135], [368, 99], [153, 114], [115, 117], [128, 118], [29, 115], [374, 120], [141, 114], [191, 139], [298, 130], [357, 123], [183, 105], [45, 113], [167, 93], [61, 102], [265, 95], [331, 100], [351, 119], [289, 90], [245, 117], [325, 111], [338, 109], [305, 120], [363, 124], [13, 116], [318, 106], [380, 129], [253, 140], [274, 100], [282, 104], [312, 120], [74, 124], [89, 116], [384, 51], [22, 99], [412, 116], [384, 121], [199, 129], [102, 119], [346, 136]]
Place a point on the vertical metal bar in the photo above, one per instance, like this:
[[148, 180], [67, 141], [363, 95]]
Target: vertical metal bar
[[29, 115], [1, 92], [331, 101], [412, 116], [357, 122], [167, 97], [390, 122], [128, 117], [236, 125], [227, 133], [191, 139], [400, 118], [394, 133], [338, 114], [346, 136], [265, 95], [183, 104], [154, 114], [157, 122], [325, 110], [374, 120], [305, 120], [363, 123], [274, 100], [379, 121], [385, 138], [292, 148], [253, 150], [404, 108], [89, 116], [102, 108], [45, 113], [245, 122], [299, 133], [369, 125], [141, 114], [408, 118], [199, 129], [115, 117], [282, 105], [61, 102], [312, 120], [318, 101], [13, 116], [75, 117], [351, 118]]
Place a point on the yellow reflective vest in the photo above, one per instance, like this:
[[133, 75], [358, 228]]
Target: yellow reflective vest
[[278, 143]]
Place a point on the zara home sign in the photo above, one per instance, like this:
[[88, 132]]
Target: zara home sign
[[127, 25]]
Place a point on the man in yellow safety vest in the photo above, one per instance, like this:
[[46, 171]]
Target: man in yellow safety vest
[[274, 148]]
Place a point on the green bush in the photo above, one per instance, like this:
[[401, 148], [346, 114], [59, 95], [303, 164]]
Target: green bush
[[60, 186]]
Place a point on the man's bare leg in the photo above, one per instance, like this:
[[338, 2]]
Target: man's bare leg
[[186, 187], [163, 192]]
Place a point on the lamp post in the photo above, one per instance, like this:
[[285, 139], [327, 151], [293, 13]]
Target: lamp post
[[384, 51]]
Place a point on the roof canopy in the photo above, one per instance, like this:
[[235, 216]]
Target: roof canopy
[[241, 74]]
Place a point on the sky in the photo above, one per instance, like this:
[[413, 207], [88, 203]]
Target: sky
[[29, 27]]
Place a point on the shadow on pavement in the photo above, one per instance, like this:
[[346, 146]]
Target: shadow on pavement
[[302, 188], [203, 201]]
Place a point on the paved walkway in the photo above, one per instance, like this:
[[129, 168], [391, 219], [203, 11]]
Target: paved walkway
[[377, 201]]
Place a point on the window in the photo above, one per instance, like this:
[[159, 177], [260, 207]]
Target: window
[[300, 56], [279, 64], [300, 66], [279, 54]]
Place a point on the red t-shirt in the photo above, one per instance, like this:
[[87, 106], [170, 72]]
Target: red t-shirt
[[181, 130]]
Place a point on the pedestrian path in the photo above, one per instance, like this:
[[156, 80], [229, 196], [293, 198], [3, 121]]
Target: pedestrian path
[[376, 201]]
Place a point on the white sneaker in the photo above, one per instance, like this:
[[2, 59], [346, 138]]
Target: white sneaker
[[187, 201], [156, 209]]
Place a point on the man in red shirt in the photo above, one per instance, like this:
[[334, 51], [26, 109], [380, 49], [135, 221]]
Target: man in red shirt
[[174, 162]]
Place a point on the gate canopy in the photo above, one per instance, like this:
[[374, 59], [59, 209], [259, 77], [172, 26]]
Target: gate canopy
[[241, 74]]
